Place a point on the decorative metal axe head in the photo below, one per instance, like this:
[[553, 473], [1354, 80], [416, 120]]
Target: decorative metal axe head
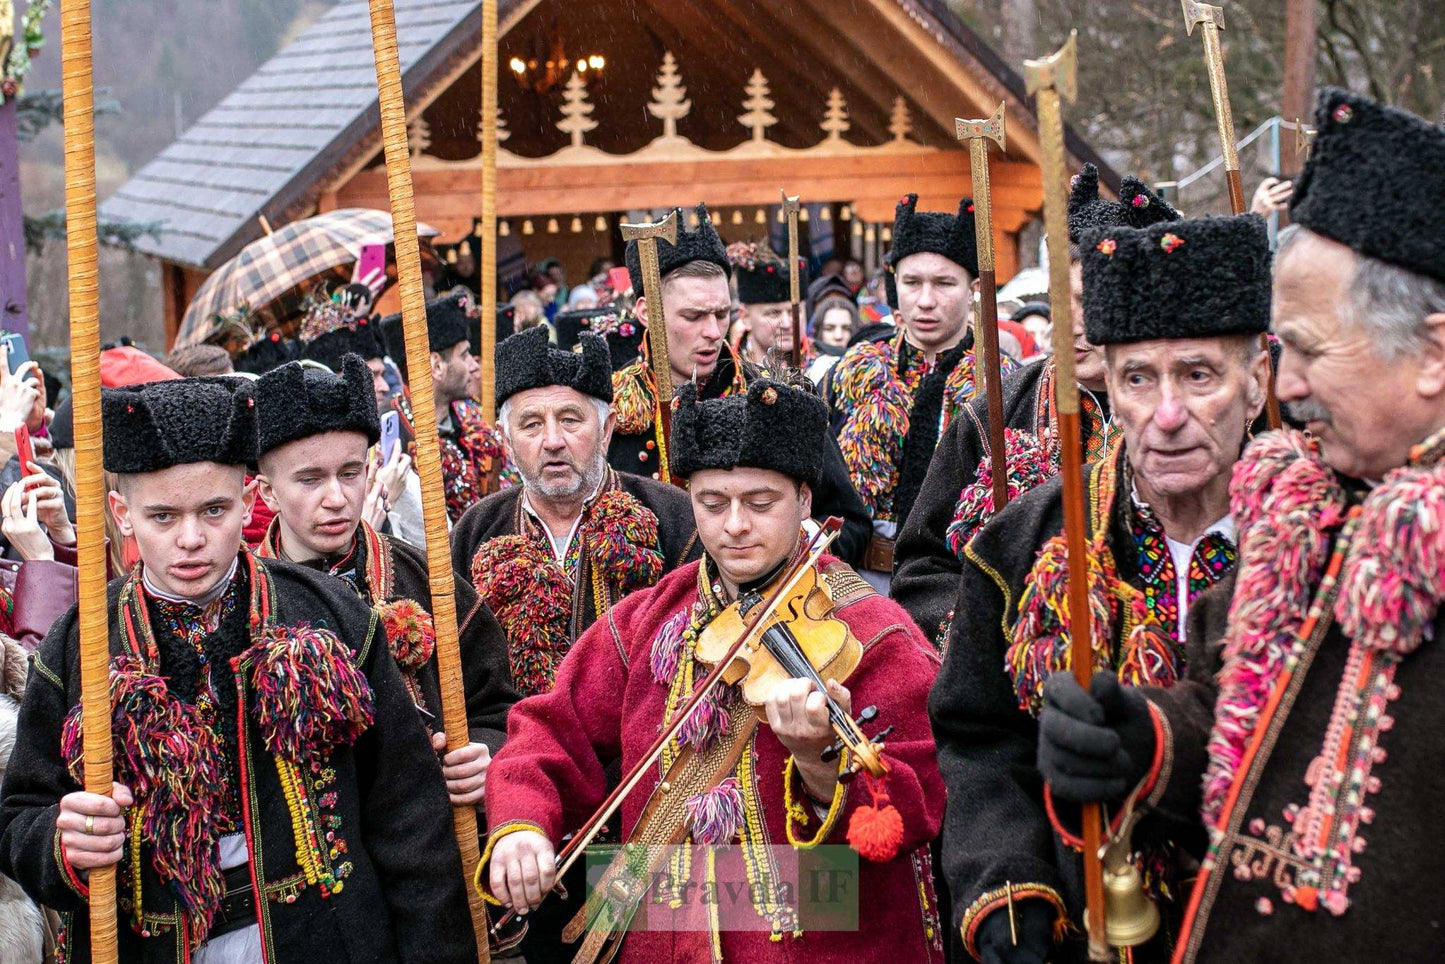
[[666, 229], [790, 204], [1195, 12], [992, 128], [1059, 70], [1304, 138]]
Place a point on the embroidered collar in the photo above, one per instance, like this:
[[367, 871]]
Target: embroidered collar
[[560, 550]]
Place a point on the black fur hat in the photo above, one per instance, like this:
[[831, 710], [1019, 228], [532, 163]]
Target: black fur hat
[[1375, 181], [506, 314], [332, 348], [154, 426], [298, 401], [527, 360], [1194, 278], [1137, 207], [773, 426], [762, 276], [569, 326], [702, 244], [950, 235], [448, 322], [265, 353]]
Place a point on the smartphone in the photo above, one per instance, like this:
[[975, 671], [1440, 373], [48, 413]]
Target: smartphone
[[390, 434], [372, 261], [18, 353], [620, 281], [24, 451]]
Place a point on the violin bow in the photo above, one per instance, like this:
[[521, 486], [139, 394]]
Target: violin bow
[[572, 852]]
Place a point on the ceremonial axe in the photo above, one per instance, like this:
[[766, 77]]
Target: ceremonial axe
[[646, 235]]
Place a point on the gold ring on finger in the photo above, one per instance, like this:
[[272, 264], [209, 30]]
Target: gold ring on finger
[[90, 824]]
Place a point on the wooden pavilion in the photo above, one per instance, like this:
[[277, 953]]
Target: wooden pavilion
[[608, 110]]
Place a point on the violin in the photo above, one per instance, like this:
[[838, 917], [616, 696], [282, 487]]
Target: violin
[[794, 634]]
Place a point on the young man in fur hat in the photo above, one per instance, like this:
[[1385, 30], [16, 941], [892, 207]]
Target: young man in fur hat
[[893, 396], [474, 462], [697, 306], [1312, 707], [559, 551], [313, 430], [1186, 376], [957, 497], [763, 304], [252, 818], [752, 459]]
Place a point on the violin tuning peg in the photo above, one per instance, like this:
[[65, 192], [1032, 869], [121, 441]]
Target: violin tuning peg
[[869, 714], [883, 734], [831, 751]]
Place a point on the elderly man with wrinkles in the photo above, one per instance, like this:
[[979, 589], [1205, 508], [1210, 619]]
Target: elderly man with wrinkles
[[1178, 308]]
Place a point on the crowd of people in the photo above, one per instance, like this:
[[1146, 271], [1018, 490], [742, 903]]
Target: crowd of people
[[1264, 604]]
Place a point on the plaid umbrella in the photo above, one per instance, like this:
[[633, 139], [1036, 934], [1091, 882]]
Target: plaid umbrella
[[273, 265]]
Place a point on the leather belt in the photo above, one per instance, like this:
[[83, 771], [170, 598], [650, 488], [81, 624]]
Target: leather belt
[[238, 906], [878, 557]]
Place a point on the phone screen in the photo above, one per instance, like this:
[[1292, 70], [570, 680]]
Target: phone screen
[[390, 435]]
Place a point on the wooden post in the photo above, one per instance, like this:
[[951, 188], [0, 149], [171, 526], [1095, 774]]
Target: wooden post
[[428, 448], [79, 94], [487, 261], [1300, 25]]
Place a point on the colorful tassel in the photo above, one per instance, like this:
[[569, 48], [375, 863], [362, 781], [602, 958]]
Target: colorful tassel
[[1031, 462], [875, 831], [716, 814], [410, 633], [309, 696]]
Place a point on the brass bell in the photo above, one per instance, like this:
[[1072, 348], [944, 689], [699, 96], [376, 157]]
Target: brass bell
[[1130, 917]]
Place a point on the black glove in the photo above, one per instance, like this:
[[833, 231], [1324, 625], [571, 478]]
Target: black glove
[[1034, 920], [1094, 746]]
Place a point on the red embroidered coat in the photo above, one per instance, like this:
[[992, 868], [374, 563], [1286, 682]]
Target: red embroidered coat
[[606, 705]]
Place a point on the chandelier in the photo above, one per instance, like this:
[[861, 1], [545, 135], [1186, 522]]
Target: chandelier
[[550, 65]]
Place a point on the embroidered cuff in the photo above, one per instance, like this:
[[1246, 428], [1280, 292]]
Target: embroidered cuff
[[80, 887], [798, 803], [511, 826], [999, 898]]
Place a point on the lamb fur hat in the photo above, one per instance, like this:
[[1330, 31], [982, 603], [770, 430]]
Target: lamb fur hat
[[951, 235], [506, 326], [1375, 182], [332, 348], [527, 360], [701, 244], [298, 401], [448, 322], [157, 425], [1137, 207], [1194, 278], [773, 426], [266, 353], [761, 275]]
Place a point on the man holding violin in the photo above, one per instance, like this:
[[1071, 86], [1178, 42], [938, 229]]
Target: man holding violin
[[721, 778]]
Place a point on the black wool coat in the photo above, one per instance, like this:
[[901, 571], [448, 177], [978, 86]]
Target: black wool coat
[[1397, 907], [996, 829], [501, 514], [925, 570], [404, 899], [486, 670], [833, 496]]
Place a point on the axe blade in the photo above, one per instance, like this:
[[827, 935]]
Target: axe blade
[[666, 229], [992, 128], [790, 204], [1304, 138], [1196, 12], [1059, 70]]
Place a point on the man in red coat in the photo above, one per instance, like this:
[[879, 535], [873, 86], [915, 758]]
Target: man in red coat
[[753, 779]]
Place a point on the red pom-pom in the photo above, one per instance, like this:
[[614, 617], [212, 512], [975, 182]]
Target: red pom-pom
[[876, 831]]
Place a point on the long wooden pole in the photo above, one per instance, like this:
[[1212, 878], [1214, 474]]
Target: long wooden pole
[[978, 133], [795, 301], [488, 261], [428, 449], [78, 93], [1210, 20], [1051, 79]]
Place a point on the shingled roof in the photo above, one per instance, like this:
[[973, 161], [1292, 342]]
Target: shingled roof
[[269, 140], [264, 148]]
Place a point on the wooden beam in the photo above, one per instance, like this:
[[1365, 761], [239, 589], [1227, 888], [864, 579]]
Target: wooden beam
[[1296, 100]]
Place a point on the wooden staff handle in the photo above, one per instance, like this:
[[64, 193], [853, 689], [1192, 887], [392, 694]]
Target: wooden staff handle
[[993, 383], [428, 449], [78, 93]]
